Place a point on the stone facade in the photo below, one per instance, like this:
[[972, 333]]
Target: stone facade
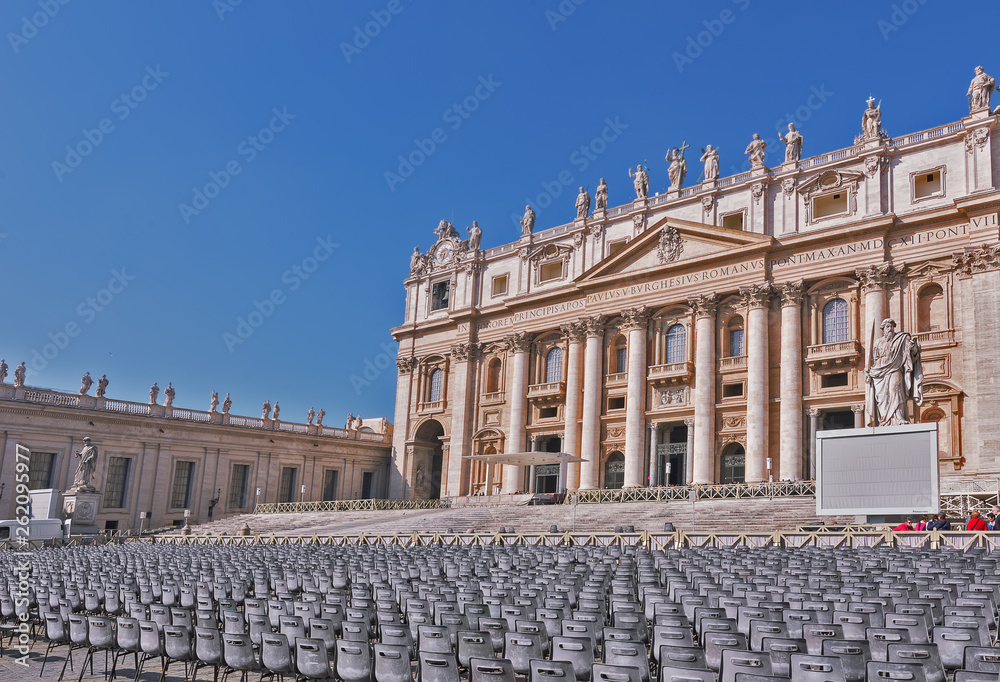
[[164, 460], [704, 335]]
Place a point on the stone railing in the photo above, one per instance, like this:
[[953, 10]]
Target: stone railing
[[347, 505], [942, 337], [89, 402], [734, 362], [550, 390]]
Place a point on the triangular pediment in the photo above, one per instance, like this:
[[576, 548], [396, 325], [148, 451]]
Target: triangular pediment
[[671, 243]]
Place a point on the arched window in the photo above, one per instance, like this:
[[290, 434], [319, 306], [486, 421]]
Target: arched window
[[437, 385], [553, 365], [620, 356], [676, 344], [614, 471], [493, 375], [836, 325], [931, 313], [734, 337]]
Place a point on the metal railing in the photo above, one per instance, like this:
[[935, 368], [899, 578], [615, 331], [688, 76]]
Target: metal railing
[[697, 492]]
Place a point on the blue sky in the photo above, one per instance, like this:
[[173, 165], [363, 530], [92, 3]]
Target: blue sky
[[170, 169]]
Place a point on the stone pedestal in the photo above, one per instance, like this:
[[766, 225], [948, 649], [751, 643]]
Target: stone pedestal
[[80, 507], [159, 411], [44, 503], [88, 402], [215, 417]]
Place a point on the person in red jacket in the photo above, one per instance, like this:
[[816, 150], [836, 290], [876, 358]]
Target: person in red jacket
[[975, 522], [906, 525]]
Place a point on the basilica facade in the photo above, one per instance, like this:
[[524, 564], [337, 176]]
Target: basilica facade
[[704, 335]]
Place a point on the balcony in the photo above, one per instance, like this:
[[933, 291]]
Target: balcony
[[936, 339], [616, 380], [831, 356], [733, 364], [552, 392], [494, 398], [673, 374], [430, 408]]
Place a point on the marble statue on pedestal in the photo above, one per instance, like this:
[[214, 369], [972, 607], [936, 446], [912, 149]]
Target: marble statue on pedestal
[[102, 385], [214, 403], [3, 370], [640, 182], [86, 466], [793, 143], [678, 166], [169, 394], [980, 90], [710, 157], [601, 196], [310, 416], [154, 393], [85, 383], [417, 262], [582, 204], [277, 410], [894, 375], [871, 120], [527, 221], [755, 150], [19, 373], [475, 236], [319, 417], [226, 404], [265, 410]]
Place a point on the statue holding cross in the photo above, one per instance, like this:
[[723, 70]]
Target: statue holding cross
[[678, 166]]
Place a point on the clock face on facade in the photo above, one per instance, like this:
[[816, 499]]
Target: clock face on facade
[[444, 253]]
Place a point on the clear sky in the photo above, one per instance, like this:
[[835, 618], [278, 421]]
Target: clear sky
[[224, 195]]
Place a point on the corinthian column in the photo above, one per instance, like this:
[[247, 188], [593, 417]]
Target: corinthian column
[[518, 344], [758, 300], [635, 320], [575, 334], [704, 387], [790, 389], [458, 476], [590, 438]]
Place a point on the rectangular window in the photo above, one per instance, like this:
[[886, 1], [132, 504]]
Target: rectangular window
[[621, 360], [548, 412], [616, 403], [732, 390], [180, 493], [116, 484], [366, 485], [733, 221], [238, 479], [834, 380], [830, 205], [110, 525], [615, 247], [40, 470], [927, 184], [736, 343], [286, 488], [550, 271], [330, 485], [439, 295], [499, 286]]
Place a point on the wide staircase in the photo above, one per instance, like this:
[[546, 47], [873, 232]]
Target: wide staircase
[[729, 515]]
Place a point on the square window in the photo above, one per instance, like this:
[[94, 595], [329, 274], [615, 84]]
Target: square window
[[927, 184], [733, 221], [439, 295], [830, 205], [499, 286], [550, 271]]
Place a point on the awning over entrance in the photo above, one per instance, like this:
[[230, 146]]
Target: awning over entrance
[[527, 459]]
